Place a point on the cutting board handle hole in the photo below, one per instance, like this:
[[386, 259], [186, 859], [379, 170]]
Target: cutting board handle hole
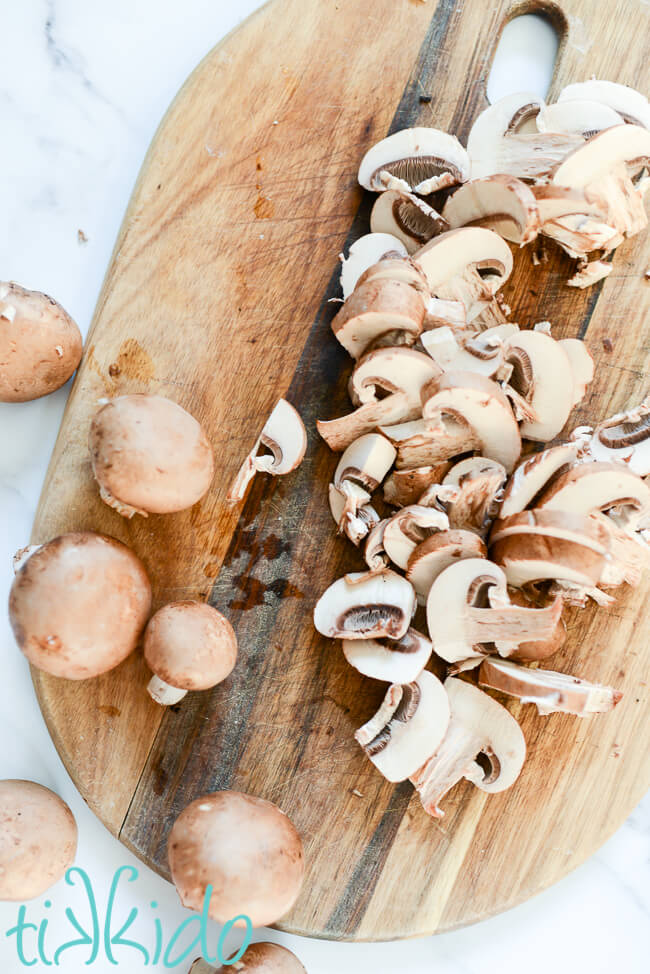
[[526, 53]]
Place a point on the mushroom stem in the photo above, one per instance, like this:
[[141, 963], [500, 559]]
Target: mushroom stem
[[163, 693]]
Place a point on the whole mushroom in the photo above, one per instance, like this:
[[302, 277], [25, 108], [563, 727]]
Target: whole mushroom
[[40, 344], [149, 456], [264, 958], [245, 848], [78, 605], [38, 839], [188, 646]]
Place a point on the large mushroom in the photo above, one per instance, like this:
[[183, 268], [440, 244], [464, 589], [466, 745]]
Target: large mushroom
[[408, 727], [40, 344], [149, 456], [365, 605], [420, 160], [483, 743], [188, 646], [78, 605], [261, 958], [284, 437], [553, 693], [261, 882], [38, 839]]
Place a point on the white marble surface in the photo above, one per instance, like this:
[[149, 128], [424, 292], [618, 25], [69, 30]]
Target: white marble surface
[[83, 84]]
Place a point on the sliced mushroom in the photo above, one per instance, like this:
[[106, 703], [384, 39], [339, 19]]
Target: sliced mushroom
[[365, 606], [363, 253], [479, 482], [601, 486], [553, 693], [459, 626], [530, 558], [624, 437], [420, 160], [396, 267], [441, 312], [500, 203], [629, 144], [555, 202], [365, 462], [628, 556], [630, 104], [590, 273], [479, 728], [405, 487], [482, 353], [579, 116], [532, 475], [391, 660], [537, 649], [376, 307], [542, 375], [285, 438], [579, 235], [408, 727], [482, 405], [405, 530], [421, 443], [354, 516], [406, 217], [582, 366], [341, 432], [375, 557], [387, 370], [438, 552], [579, 528]]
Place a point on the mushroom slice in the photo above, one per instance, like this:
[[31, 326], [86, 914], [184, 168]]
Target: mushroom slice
[[529, 558], [391, 660], [500, 203], [628, 556], [363, 606], [579, 116], [479, 727], [480, 403], [582, 365], [630, 104], [285, 438], [479, 482], [420, 443], [406, 217], [590, 273], [395, 267], [341, 432], [365, 462], [354, 516], [555, 202], [579, 528], [624, 437], [373, 552], [400, 369], [601, 486], [481, 353], [408, 727], [420, 160], [542, 376], [532, 475], [535, 650], [438, 552], [363, 253], [405, 530], [629, 144], [441, 313], [553, 693], [458, 626], [405, 487], [376, 307]]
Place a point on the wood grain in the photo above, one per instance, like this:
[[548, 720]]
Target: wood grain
[[216, 296]]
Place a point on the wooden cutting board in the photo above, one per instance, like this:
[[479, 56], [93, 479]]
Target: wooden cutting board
[[216, 296]]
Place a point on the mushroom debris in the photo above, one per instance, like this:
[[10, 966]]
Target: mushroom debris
[[438, 483], [575, 171]]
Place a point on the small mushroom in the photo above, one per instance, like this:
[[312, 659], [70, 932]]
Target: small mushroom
[[553, 693], [405, 487], [40, 344], [262, 881], [391, 660], [579, 116], [387, 370], [149, 456], [366, 606], [631, 105], [624, 437], [483, 743], [404, 531], [542, 375], [459, 625], [363, 253], [582, 366], [38, 840], [532, 475], [600, 486], [188, 646], [261, 958], [479, 484], [419, 160], [78, 605], [406, 217], [408, 727], [376, 307], [438, 552], [285, 438], [500, 203], [482, 405], [421, 443]]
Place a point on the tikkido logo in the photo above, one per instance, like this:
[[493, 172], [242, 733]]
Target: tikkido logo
[[94, 936]]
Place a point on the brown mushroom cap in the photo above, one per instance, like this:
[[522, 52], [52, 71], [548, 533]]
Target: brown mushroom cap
[[40, 344], [245, 848], [38, 839], [149, 455], [262, 958], [77, 606], [190, 645]]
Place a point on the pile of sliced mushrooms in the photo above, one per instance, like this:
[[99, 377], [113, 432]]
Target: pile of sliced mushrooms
[[488, 542]]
